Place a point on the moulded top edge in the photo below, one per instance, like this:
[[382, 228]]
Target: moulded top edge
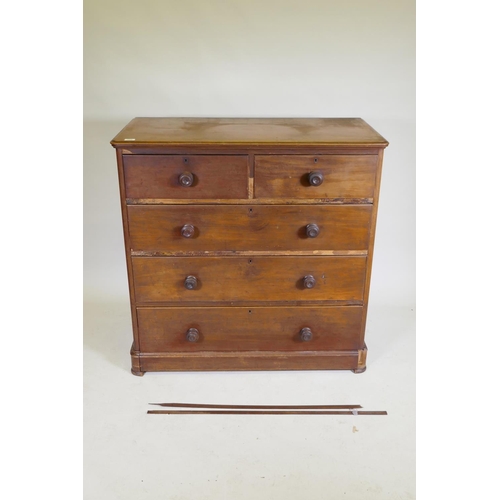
[[246, 132]]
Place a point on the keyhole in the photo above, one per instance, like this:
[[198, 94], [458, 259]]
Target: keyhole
[[185, 160], [315, 160]]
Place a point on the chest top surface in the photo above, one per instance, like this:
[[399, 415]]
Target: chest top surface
[[249, 131]]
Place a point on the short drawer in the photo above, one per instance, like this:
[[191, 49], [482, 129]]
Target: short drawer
[[199, 228], [315, 177], [237, 279], [244, 329], [186, 177]]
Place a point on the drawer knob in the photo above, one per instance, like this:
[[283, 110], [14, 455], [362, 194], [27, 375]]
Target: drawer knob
[[193, 335], [191, 282], [306, 334], [187, 230], [315, 178], [186, 179], [309, 281], [312, 230]]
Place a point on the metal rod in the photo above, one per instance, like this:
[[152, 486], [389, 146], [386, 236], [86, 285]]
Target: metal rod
[[271, 412], [259, 407]]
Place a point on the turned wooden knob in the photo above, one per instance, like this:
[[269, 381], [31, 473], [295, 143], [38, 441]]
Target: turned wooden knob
[[306, 334], [191, 282], [315, 178], [312, 230], [186, 179], [187, 230], [309, 281], [193, 335]]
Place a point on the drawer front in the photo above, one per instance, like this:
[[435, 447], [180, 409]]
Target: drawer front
[[204, 176], [295, 176], [244, 329], [239, 227], [236, 279]]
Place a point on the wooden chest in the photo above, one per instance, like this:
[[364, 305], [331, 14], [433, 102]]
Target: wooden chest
[[249, 242]]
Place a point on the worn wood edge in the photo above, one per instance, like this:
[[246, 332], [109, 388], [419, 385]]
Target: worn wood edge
[[251, 176], [128, 257], [359, 370], [273, 148], [225, 307], [250, 188], [249, 303], [246, 361], [228, 253], [285, 254], [361, 360], [249, 361], [250, 201], [136, 362], [250, 354], [371, 245]]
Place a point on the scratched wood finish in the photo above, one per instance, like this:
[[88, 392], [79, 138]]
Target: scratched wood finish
[[250, 329], [248, 253], [157, 176], [253, 201], [236, 165], [159, 279], [271, 132], [344, 176], [249, 360], [135, 328], [265, 228]]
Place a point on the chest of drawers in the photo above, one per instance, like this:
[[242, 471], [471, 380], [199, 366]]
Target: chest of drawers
[[249, 242]]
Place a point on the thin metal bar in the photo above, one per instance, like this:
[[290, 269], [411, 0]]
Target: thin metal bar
[[271, 412], [259, 407]]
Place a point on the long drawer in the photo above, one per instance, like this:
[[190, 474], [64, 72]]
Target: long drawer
[[243, 329], [244, 227], [236, 279]]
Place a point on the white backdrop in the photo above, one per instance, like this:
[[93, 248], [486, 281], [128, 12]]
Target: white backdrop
[[232, 58], [275, 58]]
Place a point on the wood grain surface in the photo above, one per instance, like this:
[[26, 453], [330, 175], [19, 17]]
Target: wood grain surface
[[249, 360], [157, 176], [244, 131], [232, 279], [249, 329], [287, 176], [159, 228], [262, 259]]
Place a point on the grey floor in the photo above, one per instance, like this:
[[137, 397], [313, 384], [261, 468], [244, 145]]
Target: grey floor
[[131, 455]]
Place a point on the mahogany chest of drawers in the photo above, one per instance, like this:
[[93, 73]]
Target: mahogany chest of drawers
[[249, 242]]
